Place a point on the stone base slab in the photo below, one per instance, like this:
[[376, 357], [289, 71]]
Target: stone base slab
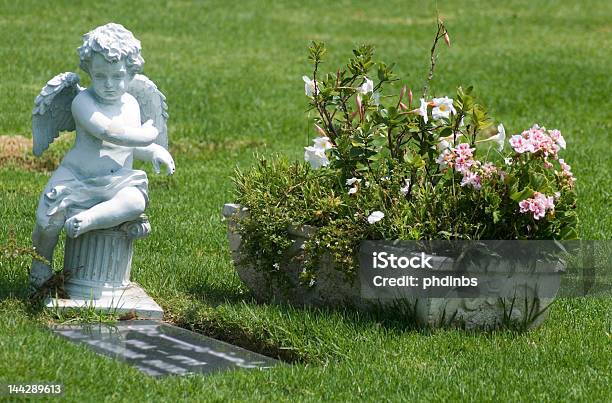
[[131, 299]]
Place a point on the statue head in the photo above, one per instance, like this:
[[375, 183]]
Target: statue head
[[110, 54]]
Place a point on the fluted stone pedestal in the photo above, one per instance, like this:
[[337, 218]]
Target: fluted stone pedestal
[[97, 266]]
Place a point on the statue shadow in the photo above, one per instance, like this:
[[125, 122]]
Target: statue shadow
[[13, 288], [17, 289]]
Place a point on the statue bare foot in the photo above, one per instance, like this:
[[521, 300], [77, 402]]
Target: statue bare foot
[[39, 275], [78, 224]]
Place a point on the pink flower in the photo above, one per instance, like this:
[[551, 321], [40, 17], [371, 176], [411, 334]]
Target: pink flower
[[402, 93], [564, 166], [464, 150], [557, 137], [447, 39], [489, 169], [566, 172], [537, 140], [359, 105], [320, 130], [460, 157], [547, 201], [445, 159], [521, 144], [464, 164], [525, 205], [538, 205], [471, 179]]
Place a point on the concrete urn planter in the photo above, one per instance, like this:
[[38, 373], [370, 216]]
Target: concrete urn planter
[[333, 289]]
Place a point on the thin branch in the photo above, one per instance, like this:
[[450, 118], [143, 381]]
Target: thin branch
[[321, 108], [439, 35]]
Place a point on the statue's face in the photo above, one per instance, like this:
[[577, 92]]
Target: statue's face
[[108, 80]]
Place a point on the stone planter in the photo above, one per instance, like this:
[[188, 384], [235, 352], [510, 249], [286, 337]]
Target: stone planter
[[332, 288]]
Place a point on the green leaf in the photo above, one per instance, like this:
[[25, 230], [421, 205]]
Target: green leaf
[[381, 73], [568, 233], [537, 180], [496, 216], [447, 131], [526, 193]]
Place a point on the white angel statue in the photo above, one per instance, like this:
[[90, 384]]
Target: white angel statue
[[95, 186]]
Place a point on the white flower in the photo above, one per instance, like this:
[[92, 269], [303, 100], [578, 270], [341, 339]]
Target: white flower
[[422, 111], [406, 188], [309, 86], [367, 86], [322, 143], [315, 157], [351, 182], [443, 145], [376, 98], [443, 107], [375, 217], [500, 137], [508, 161]]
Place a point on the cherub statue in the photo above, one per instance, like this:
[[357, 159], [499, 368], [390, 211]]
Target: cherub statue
[[95, 186]]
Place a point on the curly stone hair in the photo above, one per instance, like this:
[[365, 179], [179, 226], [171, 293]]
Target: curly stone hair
[[114, 42]]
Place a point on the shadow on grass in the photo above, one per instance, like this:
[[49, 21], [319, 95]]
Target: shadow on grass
[[215, 294], [222, 313], [282, 330], [277, 329]]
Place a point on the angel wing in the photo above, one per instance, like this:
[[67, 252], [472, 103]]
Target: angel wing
[[152, 105], [51, 114]]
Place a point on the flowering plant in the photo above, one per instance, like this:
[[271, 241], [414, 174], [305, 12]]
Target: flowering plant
[[386, 166]]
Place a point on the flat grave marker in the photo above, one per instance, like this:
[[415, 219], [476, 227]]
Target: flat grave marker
[[159, 349]]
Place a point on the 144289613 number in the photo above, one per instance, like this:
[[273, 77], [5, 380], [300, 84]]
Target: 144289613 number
[[31, 389]]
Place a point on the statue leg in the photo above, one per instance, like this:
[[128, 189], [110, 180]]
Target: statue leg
[[46, 232], [44, 238], [128, 204]]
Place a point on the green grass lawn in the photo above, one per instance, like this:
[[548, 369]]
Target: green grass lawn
[[232, 74]]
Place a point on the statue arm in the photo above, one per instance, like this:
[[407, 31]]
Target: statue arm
[[87, 115], [157, 155], [146, 153]]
